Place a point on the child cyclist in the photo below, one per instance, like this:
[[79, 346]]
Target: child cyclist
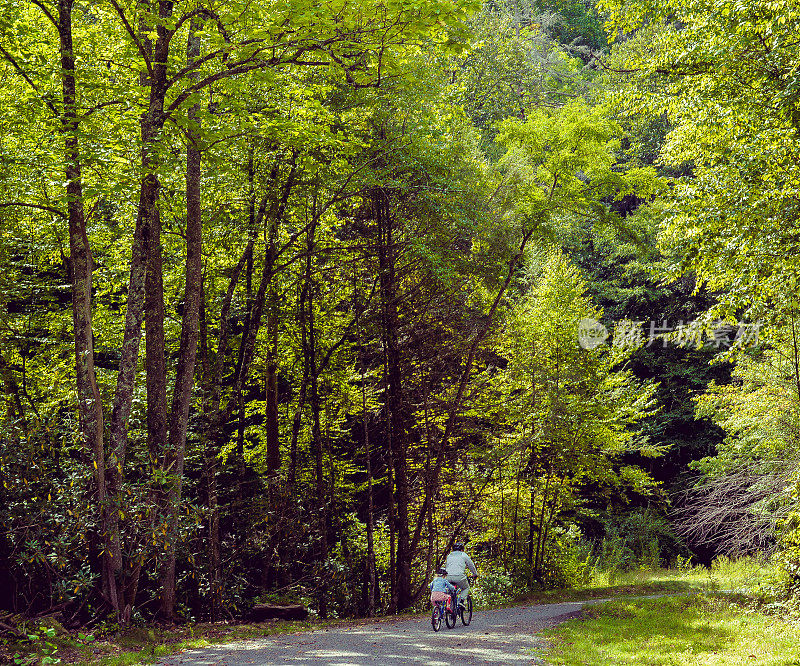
[[441, 589]]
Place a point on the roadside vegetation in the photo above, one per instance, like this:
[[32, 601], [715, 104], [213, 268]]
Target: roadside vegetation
[[698, 629], [734, 612]]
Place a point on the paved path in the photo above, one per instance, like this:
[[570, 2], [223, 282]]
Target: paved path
[[495, 637]]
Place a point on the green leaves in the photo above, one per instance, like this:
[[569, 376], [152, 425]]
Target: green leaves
[[561, 163], [510, 69], [575, 407], [727, 81]]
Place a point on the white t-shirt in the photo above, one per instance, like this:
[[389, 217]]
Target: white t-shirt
[[457, 562]]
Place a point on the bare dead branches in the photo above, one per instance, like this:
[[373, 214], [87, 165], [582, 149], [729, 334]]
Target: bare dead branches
[[738, 513]]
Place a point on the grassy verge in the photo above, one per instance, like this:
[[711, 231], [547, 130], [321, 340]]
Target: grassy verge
[[698, 629], [629, 588], [134, 646], [146, 645], [745, 574]]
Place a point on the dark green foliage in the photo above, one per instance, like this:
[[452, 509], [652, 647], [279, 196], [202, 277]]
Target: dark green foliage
[[578, 23], [625, 283]]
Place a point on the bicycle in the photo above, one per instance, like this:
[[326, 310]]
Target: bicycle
[[442, 609], [464, 607]]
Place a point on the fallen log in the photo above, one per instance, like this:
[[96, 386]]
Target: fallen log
[[262, 612], [12, 630]]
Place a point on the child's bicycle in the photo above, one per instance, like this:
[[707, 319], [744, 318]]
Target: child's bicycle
[[443, 610]]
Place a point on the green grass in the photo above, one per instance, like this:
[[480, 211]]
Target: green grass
[[743, 574], [641, 585], [688, 630], [146, 645]]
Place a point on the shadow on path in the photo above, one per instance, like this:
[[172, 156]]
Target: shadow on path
[[495, 637]]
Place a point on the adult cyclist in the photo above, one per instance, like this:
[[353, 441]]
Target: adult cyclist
[[457, 565]]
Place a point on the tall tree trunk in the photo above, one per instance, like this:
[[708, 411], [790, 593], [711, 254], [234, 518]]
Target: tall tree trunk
[[392, 534], [297, 421], [134, 316], [516, 518], [184, 378], [502, 552], [151, 125], [371, 573], [531, 529], [155, 363], [395, 402], [271, 428], [214, 551], [90, 407], [310, 356]]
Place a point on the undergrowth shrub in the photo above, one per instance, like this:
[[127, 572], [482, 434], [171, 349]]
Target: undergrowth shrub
[[495, 586]]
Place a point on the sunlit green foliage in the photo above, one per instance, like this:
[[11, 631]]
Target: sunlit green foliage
[[386, 344]]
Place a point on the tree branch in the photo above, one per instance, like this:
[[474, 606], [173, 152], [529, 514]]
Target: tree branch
[[135, 39], [47, 13], [49, 209], [102, 105], [25, 76]]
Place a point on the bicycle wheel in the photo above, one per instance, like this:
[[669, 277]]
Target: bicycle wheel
[[466, 612], [449, 618], [436, 617]]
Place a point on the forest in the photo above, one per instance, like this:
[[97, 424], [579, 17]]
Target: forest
[[295, 294]]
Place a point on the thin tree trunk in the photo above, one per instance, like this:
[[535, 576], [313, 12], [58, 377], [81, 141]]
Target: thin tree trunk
[[210, 476], [395, 402], [432, 542], [310, 354], [537, 564], [371, 568], [184, 379], [548, 523], [255, 314], [531, 527], [214, 423], [90, 407], [456, 404], [297, 421], [516, 519], [502, 519], [272, 433], [392, 538]]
